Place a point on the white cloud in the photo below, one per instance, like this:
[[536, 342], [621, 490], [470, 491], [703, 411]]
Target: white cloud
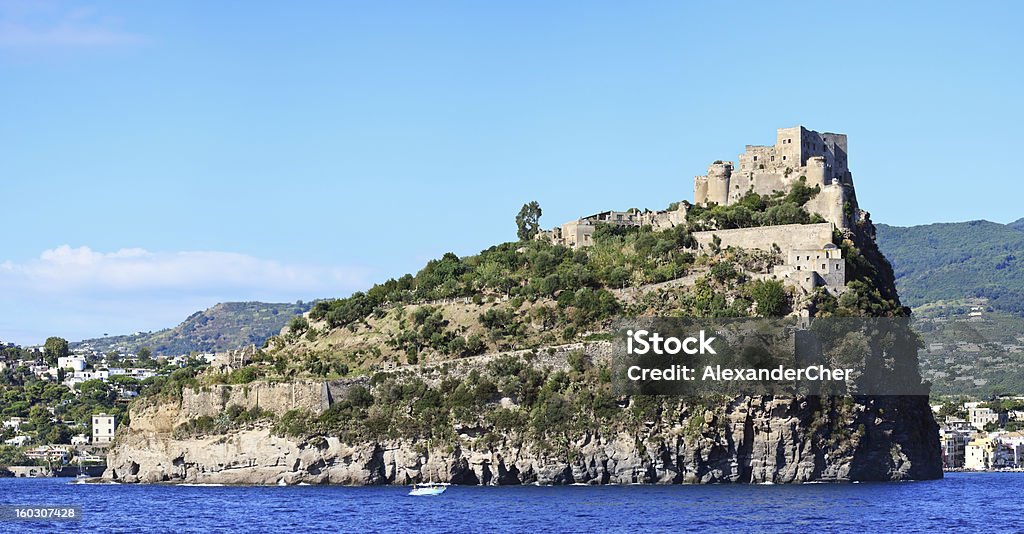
[[66, 270], [82, 270], [79, 292], [40, 24]]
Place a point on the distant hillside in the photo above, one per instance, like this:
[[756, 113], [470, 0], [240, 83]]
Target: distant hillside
[[225, 326], [949, 261]]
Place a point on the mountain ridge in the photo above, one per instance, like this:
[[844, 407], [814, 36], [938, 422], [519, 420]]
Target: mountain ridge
[[949, 261], [223, 326]]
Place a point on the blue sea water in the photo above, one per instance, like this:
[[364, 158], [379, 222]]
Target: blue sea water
[[965, 502]]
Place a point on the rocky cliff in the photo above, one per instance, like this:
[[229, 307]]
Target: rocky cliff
[[753, 440]]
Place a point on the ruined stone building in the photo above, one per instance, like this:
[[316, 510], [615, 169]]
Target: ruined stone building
[[580, 232], [818, 159]]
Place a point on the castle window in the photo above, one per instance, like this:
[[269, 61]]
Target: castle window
[[755, 158], [822, 266], [783, 158]]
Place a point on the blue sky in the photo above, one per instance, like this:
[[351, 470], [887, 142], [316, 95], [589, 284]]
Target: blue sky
[[159, 157]]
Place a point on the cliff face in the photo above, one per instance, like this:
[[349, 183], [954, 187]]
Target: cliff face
[[754, 440]]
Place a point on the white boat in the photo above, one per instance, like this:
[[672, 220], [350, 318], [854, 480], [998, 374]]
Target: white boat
[[429, 488]]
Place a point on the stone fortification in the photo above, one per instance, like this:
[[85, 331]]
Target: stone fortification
[[769, 238], [799, 154], [819, 159], [810, 258]]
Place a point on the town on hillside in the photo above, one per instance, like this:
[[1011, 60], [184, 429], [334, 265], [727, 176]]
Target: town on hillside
[[62, 406]]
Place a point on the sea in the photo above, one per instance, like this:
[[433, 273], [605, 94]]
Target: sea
[[963, 502]]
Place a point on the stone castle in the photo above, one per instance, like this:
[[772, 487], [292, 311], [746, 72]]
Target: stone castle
[[820, 159], [811, 260]]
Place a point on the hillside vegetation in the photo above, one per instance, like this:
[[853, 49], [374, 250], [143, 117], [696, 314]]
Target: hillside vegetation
[[950, 261], [533, 295]]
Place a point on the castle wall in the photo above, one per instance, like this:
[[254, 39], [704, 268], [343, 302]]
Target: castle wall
[[835, 153], [761, 182], [663, 220], [757, 157], [811, 258], [788, 237], [277, 398], [831, 203]]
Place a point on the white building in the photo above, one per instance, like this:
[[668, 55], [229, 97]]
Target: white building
[[982, 416], [954, 444], [74, 363], [979, 454], [1013, 448], [103, 428], [17, 441], [80, 439], [41, 371], [997, 451], [14, 423], [141, 373]]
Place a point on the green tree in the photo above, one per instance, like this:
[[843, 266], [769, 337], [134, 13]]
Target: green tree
[[298, 325], [528, 221], [770, 296], [55, 347]]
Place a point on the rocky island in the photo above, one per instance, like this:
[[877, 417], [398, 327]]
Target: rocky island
[[496, 368]]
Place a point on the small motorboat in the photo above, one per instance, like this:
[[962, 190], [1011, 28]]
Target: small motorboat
[[429, 488]]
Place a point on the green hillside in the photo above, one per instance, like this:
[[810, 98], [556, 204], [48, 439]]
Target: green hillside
[[950, 261], [225, 326]]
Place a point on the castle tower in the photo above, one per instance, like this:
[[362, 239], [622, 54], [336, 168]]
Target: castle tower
[[718, 177], [790, 146], [817, 171], [700, 190]]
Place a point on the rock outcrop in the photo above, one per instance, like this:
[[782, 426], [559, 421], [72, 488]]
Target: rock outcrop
[[754, 440]]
